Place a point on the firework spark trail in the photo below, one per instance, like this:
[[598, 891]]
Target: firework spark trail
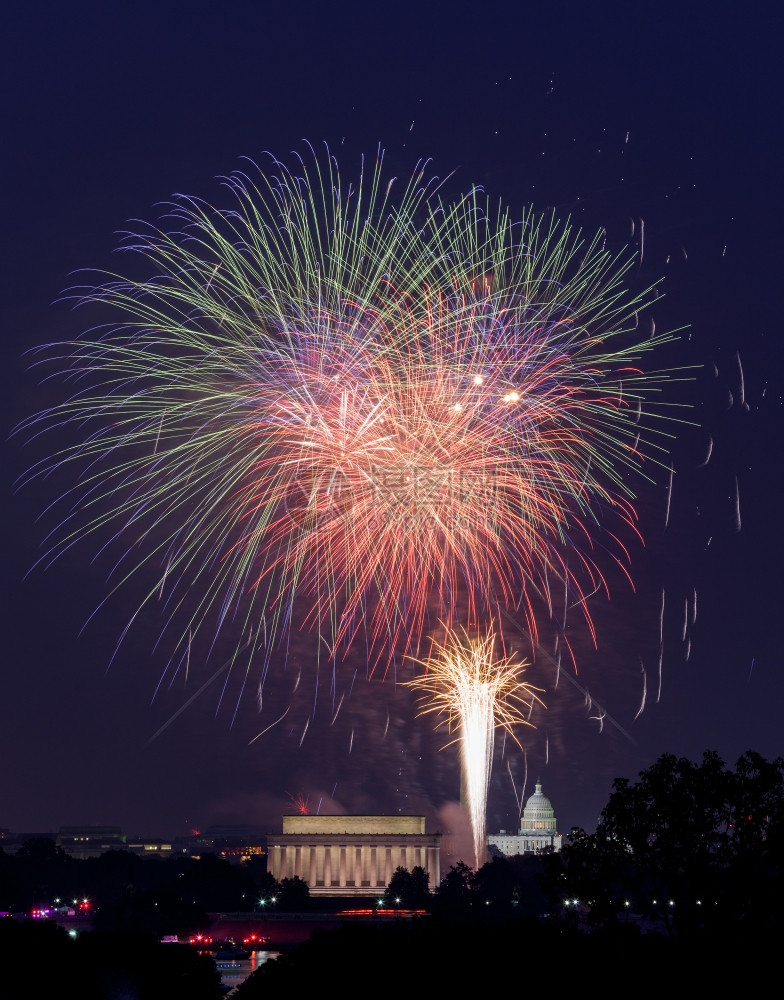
[[705, 461], [644, 697], [225, 667], [555, 661], [661, 646], [669, 498], [514, 786], [475, 693], [600, 719], [347, 405], [642, 242], [741, 385], [266, 728], [522, 792]]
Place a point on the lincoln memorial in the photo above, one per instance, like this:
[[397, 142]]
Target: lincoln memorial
[[352, 855]]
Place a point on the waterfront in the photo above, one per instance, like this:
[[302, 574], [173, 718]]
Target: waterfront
[[236, 971]]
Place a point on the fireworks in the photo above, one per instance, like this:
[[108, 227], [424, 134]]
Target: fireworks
[[476, 693], [300, 803], [357, 408]]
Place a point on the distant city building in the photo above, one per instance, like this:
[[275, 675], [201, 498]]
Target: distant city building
[[82, 842], [537, 829], [235, 842], [149, 847], [90, 841], [352, 855]]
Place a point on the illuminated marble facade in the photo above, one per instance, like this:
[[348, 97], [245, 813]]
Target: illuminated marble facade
[[537, 829], [352, 855]]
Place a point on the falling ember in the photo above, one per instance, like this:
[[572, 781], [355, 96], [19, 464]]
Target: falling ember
[[669, 498], [644, 691], [475, 693]]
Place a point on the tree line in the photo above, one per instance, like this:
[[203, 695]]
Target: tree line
[[686, 866], [683, 872]]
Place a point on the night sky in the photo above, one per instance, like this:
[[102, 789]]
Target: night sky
[[612, 114]]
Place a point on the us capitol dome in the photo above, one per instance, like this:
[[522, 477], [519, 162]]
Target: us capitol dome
[[537, 829]]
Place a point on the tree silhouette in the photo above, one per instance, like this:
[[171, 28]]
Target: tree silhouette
[[690, 847], [294, 894], [409, 889]]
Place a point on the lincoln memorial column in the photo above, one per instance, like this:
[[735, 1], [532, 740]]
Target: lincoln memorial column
[[356, 853], [342, 875], [387, 865], [366, 864]]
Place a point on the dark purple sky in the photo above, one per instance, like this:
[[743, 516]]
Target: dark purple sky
[[613, 114]]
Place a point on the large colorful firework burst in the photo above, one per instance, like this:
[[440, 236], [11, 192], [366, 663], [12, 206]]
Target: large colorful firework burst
[[360, 408]]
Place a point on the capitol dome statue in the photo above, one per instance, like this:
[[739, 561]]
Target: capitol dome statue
[[537, 829]]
